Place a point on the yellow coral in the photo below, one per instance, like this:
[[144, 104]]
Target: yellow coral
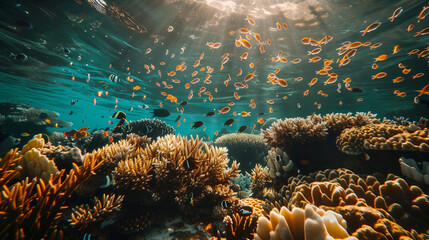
[[34, 164], [36, 142]]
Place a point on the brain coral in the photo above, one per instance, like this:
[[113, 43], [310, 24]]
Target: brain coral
[[176, 169], [247, 149]]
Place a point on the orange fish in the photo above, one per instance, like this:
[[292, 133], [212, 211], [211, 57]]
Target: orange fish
[[312, 82], [270, 102], [406, 71], [172, 73], [398, 80], [374, 66], [224, 110], [160, 104], [381, 58], [240, 85], [296, 61], [251, 65], [305, 92], [244, 56], [370, 28], [271, 110], [245, 114], [261, 120], [249, 76], [282, 82], [94, 101], [418, 75], [236, 95], [424, 90], [195, 81], [359, 100], [250, 21], [396, 49], [379, 75]]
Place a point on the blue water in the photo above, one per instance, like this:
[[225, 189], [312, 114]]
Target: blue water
[[98, 40]]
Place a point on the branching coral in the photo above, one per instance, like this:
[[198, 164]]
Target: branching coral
[[29, 208], [287, 134], [111, 155], [240, 227], [194, 169], [248, 149], [337, 122], [260, 180], [383, 137], [83, 216]]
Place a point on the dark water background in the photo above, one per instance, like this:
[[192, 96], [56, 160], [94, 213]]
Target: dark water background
[[81, 38]]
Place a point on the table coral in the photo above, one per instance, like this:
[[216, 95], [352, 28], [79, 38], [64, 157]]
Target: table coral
[[248, 149]]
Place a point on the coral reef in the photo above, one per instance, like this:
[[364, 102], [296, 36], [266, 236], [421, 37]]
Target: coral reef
[[240, 227], [291, 132], [23, 118], [83, 216], [111, 155], [260, 180], [31, 209], [152, 128], [198, 172], [332, 188], [248, 149], [311, 223], [383, 137], [243, 181], [411, 170]]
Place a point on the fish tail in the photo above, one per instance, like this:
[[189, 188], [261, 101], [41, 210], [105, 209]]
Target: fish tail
[[363, 32]]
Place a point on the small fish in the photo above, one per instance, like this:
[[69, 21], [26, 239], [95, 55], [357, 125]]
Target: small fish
[[80, 135], [424, 90], [178, 118], [114, 78], [423, 13], [143, 106], [371, 28], [225, 204], [245, 211], [224, 110], [229, 122], [395, 14], [355, 89], [241, 129], [183, 103], [74, 101], [119, 115], [170, 28], [24, 134], [197, 124], [189, 163], [379, 75], [209, 114]]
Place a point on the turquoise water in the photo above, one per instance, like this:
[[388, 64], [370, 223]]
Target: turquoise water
[[98, 34]]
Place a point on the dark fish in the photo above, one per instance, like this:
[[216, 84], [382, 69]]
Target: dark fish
[[183, 103], [278, 158], [259, 114], [160, 112], [73, 102], [114, 78], [245, 211], [70, 133], [229, 122], [225, 204], [355, 89], [107, 129], [209, 114], [23, 23], [120, 123], [178, 118], [71, 112], [241, 129], [197, 124], [119, 115]]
